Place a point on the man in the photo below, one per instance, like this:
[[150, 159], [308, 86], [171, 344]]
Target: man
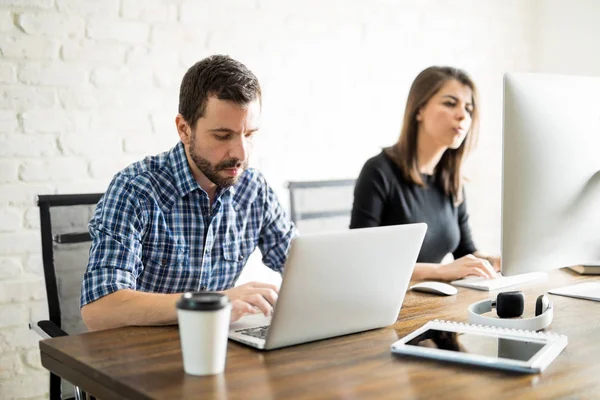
[[187, 219]]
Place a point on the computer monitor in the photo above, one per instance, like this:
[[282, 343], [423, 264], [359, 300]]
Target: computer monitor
[[550, 172]]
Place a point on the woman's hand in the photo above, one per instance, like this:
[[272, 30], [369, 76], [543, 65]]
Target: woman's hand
[[467, 265], [495, 261]]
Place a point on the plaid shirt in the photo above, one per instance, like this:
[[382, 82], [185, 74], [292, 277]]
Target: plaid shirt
[[154, 230]]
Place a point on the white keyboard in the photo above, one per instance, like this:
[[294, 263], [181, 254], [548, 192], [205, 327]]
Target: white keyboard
[[479, 283]]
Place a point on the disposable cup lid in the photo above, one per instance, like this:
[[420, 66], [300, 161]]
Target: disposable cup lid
[[203, 301]]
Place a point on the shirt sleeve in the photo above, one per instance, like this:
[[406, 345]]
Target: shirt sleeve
[[465, 245], [115, 255], [369, 197], [276, 234]]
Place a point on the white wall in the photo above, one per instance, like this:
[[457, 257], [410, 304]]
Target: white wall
[[89, 86], [566, 37]]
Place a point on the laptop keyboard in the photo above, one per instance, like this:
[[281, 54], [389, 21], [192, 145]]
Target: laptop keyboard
[[257, 332]]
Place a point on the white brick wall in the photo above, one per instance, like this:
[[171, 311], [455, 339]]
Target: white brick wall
[[149, 11], [8, 173], [10, 219], [565, 32], [93, 51], [88, 86], [9, 267], [28, 47], [8, 121], [5, 21], [51, 24], [54, 73], [89, 8], [117, 29], [7, 73]]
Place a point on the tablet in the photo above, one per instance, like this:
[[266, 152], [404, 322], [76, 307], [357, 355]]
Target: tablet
[[485, 346]]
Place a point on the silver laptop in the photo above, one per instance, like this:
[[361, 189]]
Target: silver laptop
[[335, 284]]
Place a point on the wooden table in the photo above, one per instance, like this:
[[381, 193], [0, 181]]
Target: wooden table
[[145, 363]]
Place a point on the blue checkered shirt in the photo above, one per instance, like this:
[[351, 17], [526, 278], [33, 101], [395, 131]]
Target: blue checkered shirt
[[154, 230]]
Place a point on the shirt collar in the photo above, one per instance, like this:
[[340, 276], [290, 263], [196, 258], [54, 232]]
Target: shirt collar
[[184, 180]]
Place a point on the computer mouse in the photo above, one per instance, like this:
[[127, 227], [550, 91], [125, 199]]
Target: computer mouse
[[440, 288]]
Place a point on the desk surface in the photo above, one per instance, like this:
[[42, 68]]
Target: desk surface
[[145, 363]]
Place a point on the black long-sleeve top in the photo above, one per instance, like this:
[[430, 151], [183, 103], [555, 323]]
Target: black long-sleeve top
[[383, 197]]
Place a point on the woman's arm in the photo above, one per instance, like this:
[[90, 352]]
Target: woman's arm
[[426, 271], [466, 245]]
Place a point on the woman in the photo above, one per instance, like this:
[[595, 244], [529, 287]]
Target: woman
[[419, 178]]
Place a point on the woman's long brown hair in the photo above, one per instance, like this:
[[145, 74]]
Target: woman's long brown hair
[[404, 152]]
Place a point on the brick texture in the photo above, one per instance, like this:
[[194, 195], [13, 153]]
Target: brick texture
[[88, 86]]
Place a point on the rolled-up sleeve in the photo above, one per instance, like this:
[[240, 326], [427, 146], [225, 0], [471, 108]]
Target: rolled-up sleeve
[[115, 255], [276, 234]]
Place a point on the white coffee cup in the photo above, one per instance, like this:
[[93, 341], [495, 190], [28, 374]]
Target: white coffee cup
[[203, 329]]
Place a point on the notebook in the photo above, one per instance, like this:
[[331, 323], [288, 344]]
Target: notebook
[[587, 269], [586, 290], [482, 345]]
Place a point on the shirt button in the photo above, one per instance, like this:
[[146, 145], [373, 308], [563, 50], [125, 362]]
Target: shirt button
[[203, 287], [241, 257]]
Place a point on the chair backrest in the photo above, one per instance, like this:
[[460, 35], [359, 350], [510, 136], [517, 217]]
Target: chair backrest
[[65, 251], [318, 206]]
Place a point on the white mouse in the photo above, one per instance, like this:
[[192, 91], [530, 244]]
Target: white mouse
[[435, 288]]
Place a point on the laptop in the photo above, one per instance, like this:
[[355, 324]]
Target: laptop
[[335, 284]]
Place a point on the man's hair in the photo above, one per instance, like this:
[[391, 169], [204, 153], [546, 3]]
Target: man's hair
[[220, 76]]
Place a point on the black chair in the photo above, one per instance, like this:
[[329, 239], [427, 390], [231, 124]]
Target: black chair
[[318, 206], [65, 251]]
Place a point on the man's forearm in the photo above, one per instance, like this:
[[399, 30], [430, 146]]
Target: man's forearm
[[128, 307]]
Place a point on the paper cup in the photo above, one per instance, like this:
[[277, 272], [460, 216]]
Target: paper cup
[[203, 329]]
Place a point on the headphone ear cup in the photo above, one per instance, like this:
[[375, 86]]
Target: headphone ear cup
[[541, 305], [510, 304]]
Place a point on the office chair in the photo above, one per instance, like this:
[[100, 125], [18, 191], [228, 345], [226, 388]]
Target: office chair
[[65, 251], [318, 206]]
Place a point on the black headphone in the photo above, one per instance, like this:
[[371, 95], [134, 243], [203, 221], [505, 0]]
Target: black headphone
[[510, 305]]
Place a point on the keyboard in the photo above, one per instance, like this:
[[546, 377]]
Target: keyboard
[[501, 282], [257, 332]]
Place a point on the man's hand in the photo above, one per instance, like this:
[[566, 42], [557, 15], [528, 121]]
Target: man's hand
[[246, 298]]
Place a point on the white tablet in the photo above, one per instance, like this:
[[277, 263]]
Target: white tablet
[[486, 346]]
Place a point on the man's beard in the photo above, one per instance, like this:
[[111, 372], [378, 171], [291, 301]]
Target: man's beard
[[212, 172]]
